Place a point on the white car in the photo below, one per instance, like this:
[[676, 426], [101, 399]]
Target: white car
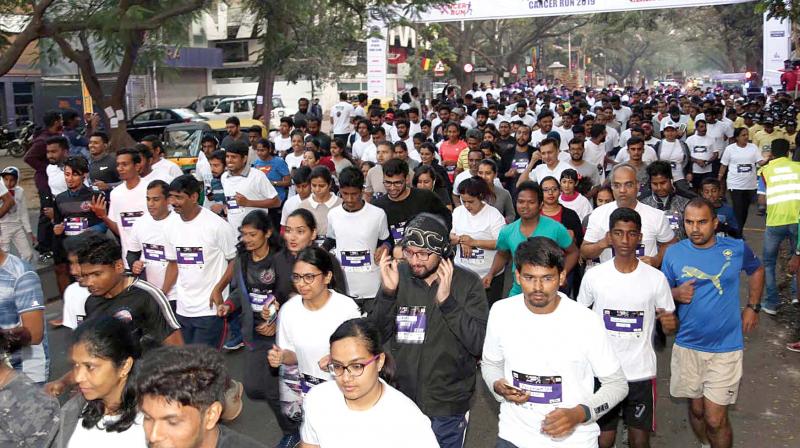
[[243, 106]]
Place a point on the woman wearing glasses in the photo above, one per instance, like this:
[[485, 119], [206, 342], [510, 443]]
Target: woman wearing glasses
[[307, 320], [361, 408]]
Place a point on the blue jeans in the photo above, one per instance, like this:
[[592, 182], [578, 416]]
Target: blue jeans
[[206, 330], [503, 443], [234, 326], [773, 236], [450, 430]]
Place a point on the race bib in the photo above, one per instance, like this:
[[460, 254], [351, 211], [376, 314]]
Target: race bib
[[674, 221], [542, 389], [628, 322], [699, 150], [189, 256], [397, 231], [307, 382], [411, 324], [233, 206], [259, 301], [477, 256], [744, 168], [128, 218], [75, 226], [356, 261], [154, 252], [520, 164]]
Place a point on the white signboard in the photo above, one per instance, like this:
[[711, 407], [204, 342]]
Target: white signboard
[[500, 9], [777, 36], [376, 63]]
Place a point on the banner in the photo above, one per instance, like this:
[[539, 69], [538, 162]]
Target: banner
[[502, 9], [777, 40], [376, 61]]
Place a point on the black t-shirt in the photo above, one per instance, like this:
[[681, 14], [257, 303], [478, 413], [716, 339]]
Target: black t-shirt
[[72, 210], [398, 213], [505, 145], [140, 303], [229, 438], [262, 277], [104, 169]]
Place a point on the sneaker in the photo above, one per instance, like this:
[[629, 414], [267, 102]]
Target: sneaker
[[289, 441], [770, 311], [45, 257], [793, 347], [233, 344], [795, 302]]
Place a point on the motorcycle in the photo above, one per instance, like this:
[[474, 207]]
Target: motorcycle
[[18, 146]]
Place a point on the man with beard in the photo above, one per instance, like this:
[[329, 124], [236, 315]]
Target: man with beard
[[514, 162], [664, 197], [434, 313]]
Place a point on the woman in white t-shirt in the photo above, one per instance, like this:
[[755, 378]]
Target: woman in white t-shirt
[[740, 163], [476, 226], [307, 320], [103, 353], [360, 403]]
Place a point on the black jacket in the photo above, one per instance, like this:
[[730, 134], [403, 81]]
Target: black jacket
[[439, 373]]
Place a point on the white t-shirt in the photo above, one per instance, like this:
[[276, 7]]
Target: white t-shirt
[[701, 148], [648, 156], [566, 136], [201, 248], [536, 138], [394, 420], [341, 114], [170, 168], [307, 333], [357, 235], [485, 225], [627, 303], [742, 168], [125, 208], [594, 153], [579, 205], [720, 132], [365, 150], [56, 180], [655, 228], [293, 160], [133, 437], [75, 297], [283, 145], [556, 356], [253, 185], [291, 204], [148, 237], [542, 171], [672, 152]]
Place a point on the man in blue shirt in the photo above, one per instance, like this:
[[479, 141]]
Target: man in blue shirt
[[703, 272]]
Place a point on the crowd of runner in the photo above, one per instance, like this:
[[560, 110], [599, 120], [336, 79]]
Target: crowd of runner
[[546, 238]]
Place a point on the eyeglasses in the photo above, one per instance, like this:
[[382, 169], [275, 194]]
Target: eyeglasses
[[307, 278], [393, 183], [355, 369], [423, 255]]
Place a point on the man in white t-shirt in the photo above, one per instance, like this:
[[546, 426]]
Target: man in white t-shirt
[[703, 149], [128, 199], [359, 232], [301, 183], [76, 293], [674, 151], [656, 231], [363, 145], [542, 354], [246, 189], [57, 153], [200, 247], [340, 117], [166, 168], [545, 122], [147, 251], [550, 166], [630, 296], [283, 139]]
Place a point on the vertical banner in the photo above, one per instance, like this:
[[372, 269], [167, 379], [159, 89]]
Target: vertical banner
[[88, 104], [777, 40], [376, 61]]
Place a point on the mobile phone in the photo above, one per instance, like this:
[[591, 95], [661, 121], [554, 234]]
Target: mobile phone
[[516, 389], [273, 313]]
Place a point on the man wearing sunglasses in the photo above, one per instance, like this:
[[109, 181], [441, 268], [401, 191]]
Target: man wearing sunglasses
[[434, 314]]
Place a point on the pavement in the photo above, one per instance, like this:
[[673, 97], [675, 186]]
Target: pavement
[[764, 417]]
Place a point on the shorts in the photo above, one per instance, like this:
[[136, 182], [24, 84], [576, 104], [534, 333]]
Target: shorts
[[638, 409], [697, 374]]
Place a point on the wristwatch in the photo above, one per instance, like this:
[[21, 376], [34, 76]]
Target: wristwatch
[[797, 252], [756, 307]]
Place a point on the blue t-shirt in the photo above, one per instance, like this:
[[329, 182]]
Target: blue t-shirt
[[511, 236], [275, 169], [726, 217], [20, 293], [712, 322]]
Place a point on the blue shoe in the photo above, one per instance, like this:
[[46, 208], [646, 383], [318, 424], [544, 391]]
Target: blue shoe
[[233, 344], [289, 441]]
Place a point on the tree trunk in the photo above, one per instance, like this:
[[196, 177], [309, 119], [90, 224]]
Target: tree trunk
[[266, 87]]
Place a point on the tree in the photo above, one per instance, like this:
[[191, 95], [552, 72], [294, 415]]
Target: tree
[[123, 33]]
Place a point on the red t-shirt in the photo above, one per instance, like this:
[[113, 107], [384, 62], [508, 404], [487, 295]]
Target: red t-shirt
[[449, 153]]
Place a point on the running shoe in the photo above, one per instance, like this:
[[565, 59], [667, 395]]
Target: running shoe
[[289, 441], [233, 344], [770, 311], [794, 347]]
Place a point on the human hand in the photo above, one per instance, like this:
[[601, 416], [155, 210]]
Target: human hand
[[215, 299], [98, 206], [684, 292], [749, 320], [561, 422], [445, 274], [55, 388], [669, 322], [275, 356], [390, 277], [48, 211], [266, 329], [137, 267], [512, 394], [241, 200]]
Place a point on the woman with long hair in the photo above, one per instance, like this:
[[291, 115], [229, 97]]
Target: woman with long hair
[[322, 200], [339, 156], [451, 148], [739, 173], [103, 353], [361, 400], [426, 178]]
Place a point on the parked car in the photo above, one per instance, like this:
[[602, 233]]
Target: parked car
[[182, 140], [153, 121], [207, 103], [243, 106]]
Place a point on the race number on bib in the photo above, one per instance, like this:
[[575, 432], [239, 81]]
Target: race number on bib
[[542, 389], [629, 322], [75, 226], [154, 252], [259, 301], [674, 221], [476, 256], [128, 218], [397, 231], [411, 324], [744, 168], [307, 382], [189, 256], [356, 261], [233, 206]]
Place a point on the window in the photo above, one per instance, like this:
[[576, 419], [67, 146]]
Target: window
[[234, 51], [142, 118], [241, 106]]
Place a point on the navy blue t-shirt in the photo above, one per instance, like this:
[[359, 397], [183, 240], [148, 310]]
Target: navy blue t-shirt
[[712, 322]]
